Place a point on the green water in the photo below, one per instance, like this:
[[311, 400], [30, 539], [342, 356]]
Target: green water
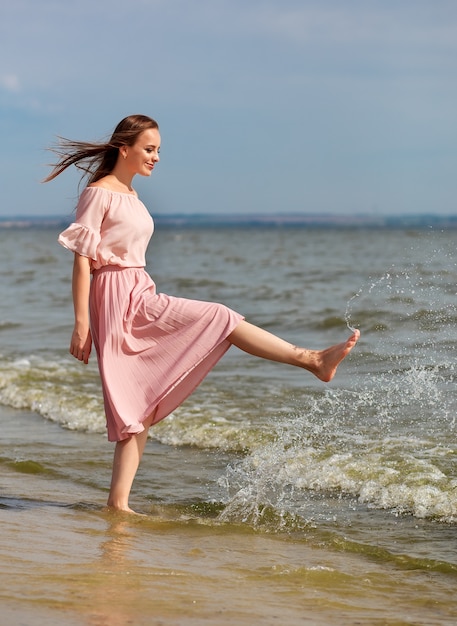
[[268, 497], [65, 558]]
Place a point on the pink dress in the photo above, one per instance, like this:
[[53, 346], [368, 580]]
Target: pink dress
[[153, 350]]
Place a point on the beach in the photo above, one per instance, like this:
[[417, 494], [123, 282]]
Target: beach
[[67, 560], [268, 497]]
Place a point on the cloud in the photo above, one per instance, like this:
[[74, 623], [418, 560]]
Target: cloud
[[10, 83], [306, 90]]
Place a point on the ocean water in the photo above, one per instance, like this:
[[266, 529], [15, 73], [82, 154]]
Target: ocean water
[[268, 496]]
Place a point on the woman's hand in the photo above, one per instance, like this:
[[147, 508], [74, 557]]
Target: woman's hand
[[81, 345], [81, 339]]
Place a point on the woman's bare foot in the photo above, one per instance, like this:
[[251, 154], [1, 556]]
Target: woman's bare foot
[[118, 504], [326, 361], [122, 509]]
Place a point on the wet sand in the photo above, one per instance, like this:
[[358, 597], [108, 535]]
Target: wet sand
[[65, 560]]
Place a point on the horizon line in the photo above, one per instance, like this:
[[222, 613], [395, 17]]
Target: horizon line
[[418, 220]]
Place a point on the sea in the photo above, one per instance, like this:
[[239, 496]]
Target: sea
[[268, 497]]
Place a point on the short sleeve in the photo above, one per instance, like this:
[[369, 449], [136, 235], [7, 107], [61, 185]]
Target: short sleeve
[[80, 239], [83, 236]]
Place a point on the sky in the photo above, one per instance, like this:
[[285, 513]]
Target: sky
[[280, 106]]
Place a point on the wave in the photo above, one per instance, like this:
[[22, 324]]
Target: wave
[[386, 444], [9, 325], [55, 390], [388, 475]]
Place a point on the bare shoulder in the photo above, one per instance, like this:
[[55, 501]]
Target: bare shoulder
[[111, 183], [103, 183]]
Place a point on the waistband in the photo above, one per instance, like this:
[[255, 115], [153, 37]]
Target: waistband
[[115, 268]]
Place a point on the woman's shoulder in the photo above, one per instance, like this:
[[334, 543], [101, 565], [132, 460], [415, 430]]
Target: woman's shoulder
[[111, 184]]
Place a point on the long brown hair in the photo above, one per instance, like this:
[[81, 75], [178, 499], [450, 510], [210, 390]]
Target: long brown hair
[[97, 160]]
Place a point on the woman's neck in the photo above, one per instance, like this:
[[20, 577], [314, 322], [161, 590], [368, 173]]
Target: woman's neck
[[117, 183]]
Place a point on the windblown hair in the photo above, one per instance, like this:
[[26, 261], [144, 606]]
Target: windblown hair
[[97, 160]]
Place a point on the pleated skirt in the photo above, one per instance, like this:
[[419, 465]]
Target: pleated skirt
[[153, 350]]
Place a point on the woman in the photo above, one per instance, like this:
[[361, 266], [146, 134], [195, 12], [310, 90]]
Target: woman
[[152, 349]]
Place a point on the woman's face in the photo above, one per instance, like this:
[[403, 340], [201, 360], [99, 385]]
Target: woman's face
[[144, 154]]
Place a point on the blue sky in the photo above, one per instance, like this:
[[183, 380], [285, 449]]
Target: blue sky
[[324, 106]]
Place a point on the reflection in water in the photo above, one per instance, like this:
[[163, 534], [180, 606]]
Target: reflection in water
[[115, 594]]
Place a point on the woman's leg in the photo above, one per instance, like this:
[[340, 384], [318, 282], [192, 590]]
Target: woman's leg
[[261, 343], [127, 457], [255, 341]]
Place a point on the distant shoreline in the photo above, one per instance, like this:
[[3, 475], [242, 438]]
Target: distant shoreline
[[254, 220]]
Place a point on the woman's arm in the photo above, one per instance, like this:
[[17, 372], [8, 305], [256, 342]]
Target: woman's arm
[[81, 340]]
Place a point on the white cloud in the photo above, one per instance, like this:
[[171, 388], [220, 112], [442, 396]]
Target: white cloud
[[349, 85], [10, 82]]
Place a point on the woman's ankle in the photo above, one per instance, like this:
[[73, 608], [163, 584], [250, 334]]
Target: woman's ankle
[[118, 505]]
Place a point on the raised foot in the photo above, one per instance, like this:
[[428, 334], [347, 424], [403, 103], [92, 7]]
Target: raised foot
[[327, 360]]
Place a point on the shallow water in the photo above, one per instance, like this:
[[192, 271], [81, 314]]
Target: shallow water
[[65, 558], [269, 496]]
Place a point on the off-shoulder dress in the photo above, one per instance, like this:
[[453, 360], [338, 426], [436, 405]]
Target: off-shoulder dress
[[153, 350]]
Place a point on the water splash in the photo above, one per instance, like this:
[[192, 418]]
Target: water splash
[[387, 443], [365, 447], [348, 312]]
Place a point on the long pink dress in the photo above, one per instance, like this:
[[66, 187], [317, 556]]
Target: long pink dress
[[153, 350]]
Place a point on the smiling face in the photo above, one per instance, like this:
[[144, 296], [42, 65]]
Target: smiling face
[[144, 154]]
